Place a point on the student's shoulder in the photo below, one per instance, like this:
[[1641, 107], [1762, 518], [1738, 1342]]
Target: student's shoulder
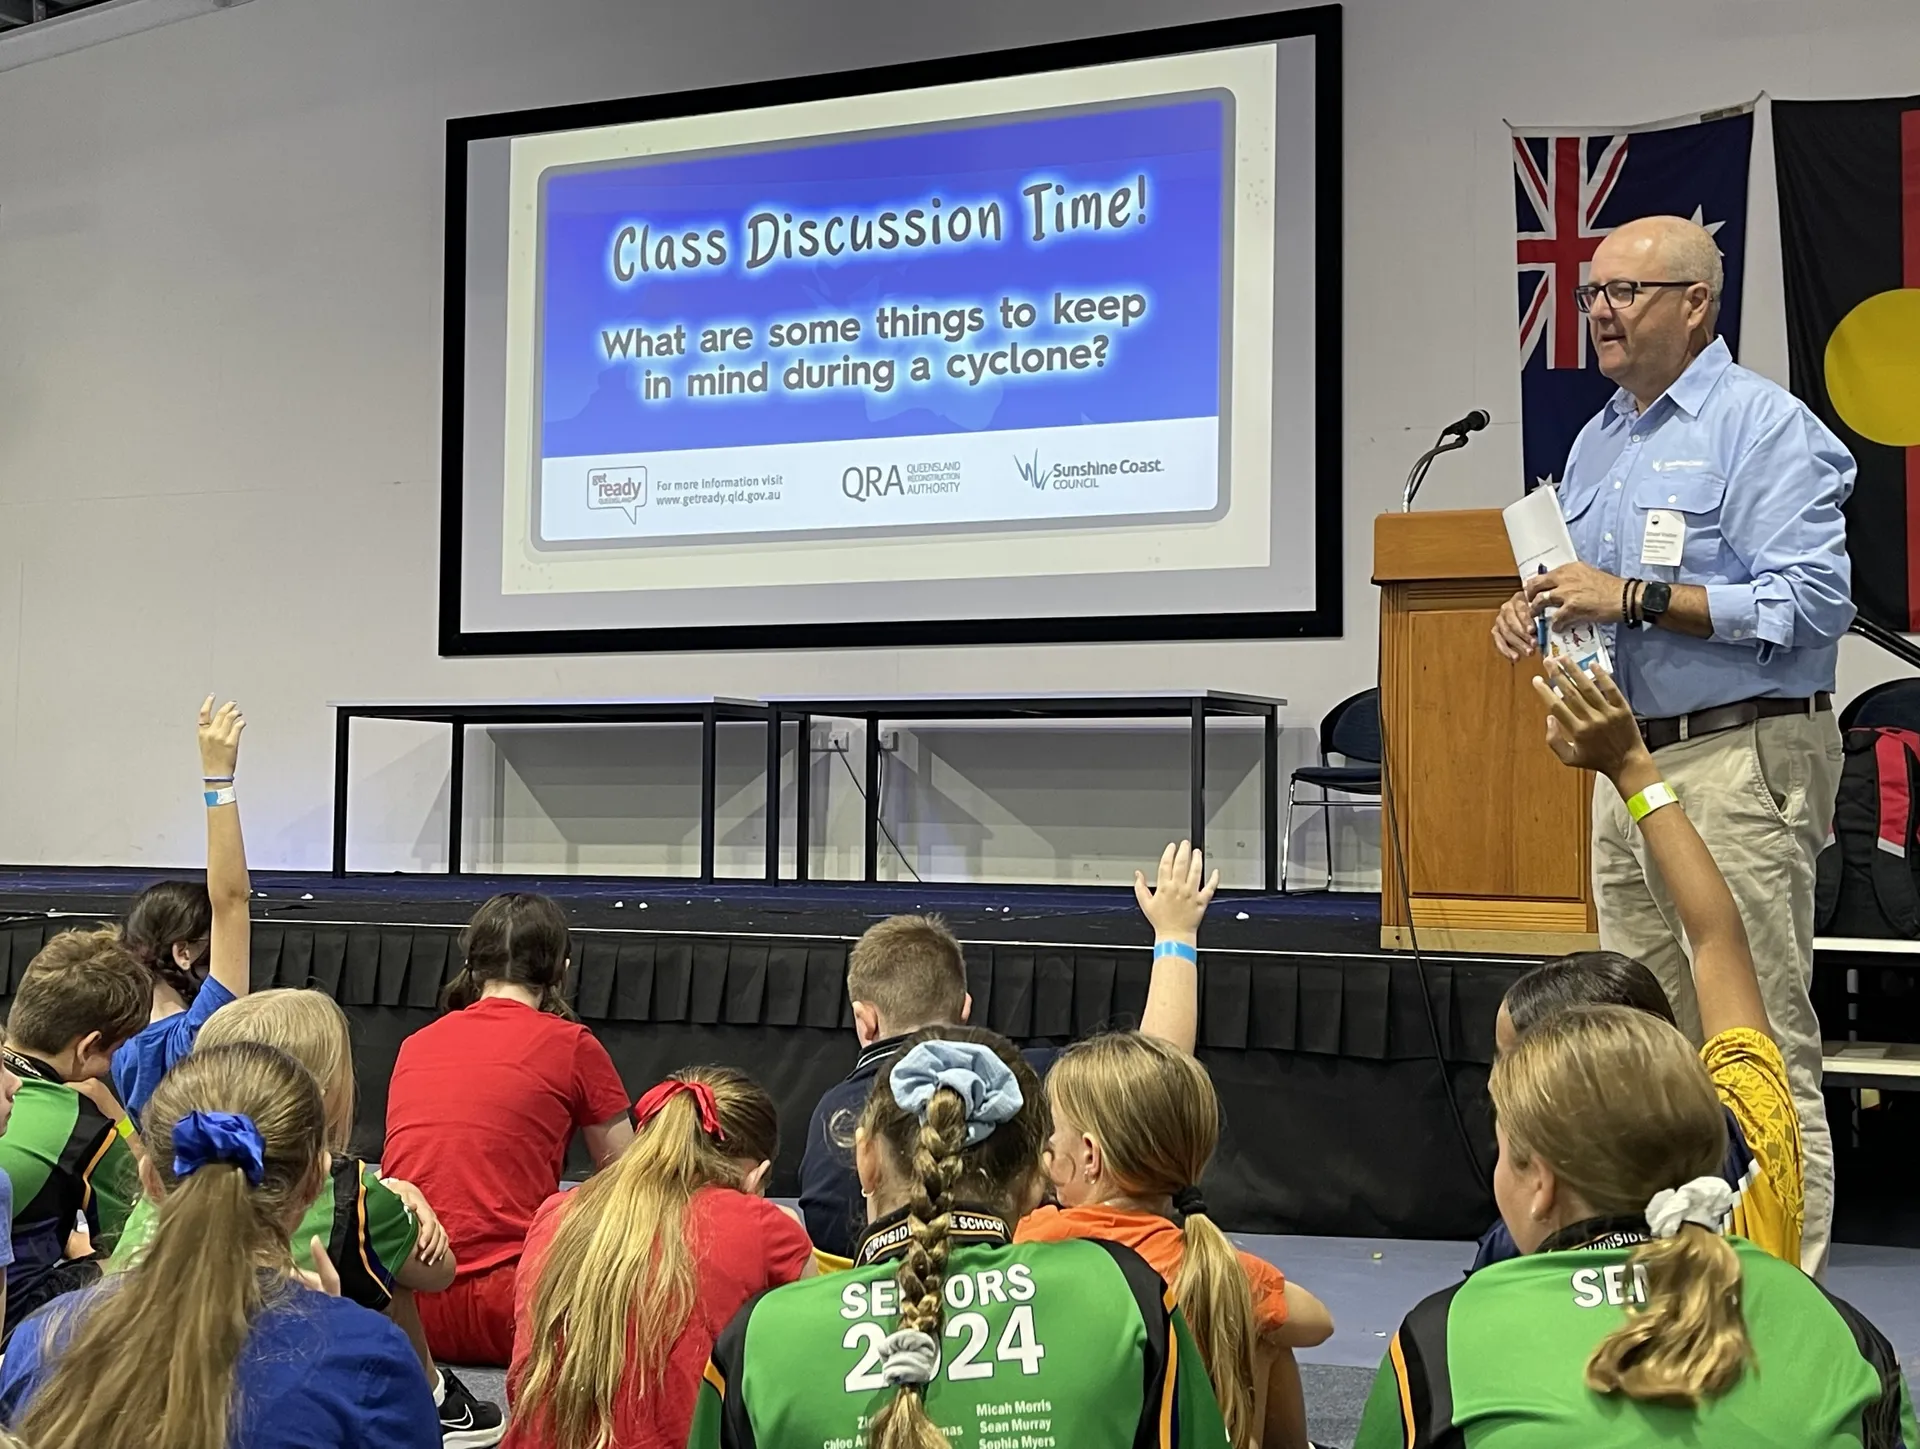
[[848, 1092], [327, 1358], [328, 1332], [56, 1121]]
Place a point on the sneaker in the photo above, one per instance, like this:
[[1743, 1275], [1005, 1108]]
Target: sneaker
[[467, 1422]]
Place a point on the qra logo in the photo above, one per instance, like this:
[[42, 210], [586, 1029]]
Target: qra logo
[[1034, 473], [872, 481]]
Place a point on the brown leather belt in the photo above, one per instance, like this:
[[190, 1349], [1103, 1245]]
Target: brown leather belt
[[1659, 733]]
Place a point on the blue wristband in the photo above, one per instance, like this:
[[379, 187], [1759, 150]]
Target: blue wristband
[[1176, 948]]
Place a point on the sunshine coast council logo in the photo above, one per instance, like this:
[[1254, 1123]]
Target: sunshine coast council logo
[[1032, 472]]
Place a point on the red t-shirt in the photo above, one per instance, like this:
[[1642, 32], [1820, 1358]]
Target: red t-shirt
[[742, 1245], [479, 1114]]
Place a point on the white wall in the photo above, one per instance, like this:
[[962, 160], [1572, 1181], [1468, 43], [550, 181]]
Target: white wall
[[220, 332]]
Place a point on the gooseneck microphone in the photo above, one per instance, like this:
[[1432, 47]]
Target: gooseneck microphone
[[1453, 436], [1473, 422]]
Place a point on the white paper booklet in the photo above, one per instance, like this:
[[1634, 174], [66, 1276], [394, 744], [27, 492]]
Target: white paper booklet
[[1542, 544]]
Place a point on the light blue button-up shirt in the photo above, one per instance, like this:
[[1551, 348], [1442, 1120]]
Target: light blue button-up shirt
[[1757, 482]]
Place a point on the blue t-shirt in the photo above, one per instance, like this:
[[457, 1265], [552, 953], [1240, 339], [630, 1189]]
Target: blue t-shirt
[[315, 1373], [159, 1046], [6, 1215]]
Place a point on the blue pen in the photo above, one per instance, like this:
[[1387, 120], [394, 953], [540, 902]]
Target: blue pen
[[1540, 624]]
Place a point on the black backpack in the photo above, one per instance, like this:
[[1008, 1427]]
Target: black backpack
[[1866, 882]]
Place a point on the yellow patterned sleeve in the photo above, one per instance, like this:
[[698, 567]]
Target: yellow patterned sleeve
[[1750, 1076]]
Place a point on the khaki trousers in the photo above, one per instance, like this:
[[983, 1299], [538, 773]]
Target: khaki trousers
[[1761, 797]]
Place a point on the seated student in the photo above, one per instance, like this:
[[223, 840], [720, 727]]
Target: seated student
[[482, 1106], [1592, 727], [626, 1281], [9, 1089], [944, 1320], [209, 1339], [907, 973], [1630, 1320], [63, 1157], [381, 1237], [195, 939], [1135, 1122]]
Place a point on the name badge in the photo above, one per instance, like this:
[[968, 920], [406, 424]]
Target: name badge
[[1665, 539]]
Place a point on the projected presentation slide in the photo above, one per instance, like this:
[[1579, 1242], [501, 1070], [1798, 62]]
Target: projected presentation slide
[[790, 339], [993, 358]]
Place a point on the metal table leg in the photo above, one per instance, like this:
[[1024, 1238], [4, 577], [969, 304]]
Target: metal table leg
[[456, 793], [1197, 773], [342, 743], [709, 750]]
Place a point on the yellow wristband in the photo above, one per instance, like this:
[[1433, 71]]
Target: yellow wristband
[[124, 1127], [1651, 799]]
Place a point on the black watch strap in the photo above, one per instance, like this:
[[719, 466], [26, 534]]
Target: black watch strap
[[1654, 599]]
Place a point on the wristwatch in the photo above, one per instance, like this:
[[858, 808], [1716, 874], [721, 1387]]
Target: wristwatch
[[1654, 598]]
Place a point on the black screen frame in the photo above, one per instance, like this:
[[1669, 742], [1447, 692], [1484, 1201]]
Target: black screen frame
[[1324, 621]]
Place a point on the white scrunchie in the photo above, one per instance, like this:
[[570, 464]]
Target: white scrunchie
[[909, 1357], [1706, 1201]]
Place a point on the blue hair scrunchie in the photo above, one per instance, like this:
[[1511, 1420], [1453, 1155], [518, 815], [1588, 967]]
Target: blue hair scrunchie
[[985, 1083], [203, 1137]]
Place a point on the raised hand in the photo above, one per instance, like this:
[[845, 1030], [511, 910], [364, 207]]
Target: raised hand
[[1178, 900], [1590, 725], [220, 738]]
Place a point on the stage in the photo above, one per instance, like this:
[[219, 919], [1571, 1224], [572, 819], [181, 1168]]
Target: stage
[[1337, 1119]]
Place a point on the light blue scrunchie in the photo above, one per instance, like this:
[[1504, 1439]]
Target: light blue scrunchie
[[985, 1083], [229, 1137]]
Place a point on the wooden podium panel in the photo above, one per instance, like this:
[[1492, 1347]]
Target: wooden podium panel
[[1494, 828]]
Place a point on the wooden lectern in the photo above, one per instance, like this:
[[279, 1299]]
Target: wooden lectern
[[1493, 829]]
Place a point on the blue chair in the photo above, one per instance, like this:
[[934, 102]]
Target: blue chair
[[1350, 730]]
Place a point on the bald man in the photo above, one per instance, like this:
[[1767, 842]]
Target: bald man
[[1704, 503]]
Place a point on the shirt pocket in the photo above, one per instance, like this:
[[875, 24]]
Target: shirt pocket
[[1696, 497]]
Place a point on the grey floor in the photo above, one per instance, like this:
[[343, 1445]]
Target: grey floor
[[1370, 1283]]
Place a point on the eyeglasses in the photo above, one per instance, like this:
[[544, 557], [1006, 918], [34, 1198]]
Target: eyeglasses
[[1621, 292]]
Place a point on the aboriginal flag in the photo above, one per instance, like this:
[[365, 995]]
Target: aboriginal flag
[[1849, 174]]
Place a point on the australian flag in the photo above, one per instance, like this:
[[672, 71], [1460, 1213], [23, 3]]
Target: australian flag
[[1570, 190]]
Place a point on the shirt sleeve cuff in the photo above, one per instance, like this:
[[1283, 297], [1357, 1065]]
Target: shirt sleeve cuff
[[1735, 613]]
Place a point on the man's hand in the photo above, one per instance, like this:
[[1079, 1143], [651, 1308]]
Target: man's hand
[[430, 1240], [220, 738], [1178, 901], [1590, 725], [1578, 594], [1513, 631]]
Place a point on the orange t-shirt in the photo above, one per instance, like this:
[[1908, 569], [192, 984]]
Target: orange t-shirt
[[1159, 1241]]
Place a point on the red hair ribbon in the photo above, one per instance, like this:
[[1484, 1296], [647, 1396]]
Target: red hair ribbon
[[656, 1099]]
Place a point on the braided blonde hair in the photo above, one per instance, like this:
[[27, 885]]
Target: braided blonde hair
[[996, 1173]]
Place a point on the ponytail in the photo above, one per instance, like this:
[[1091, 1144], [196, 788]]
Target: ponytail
[[119, 1372], [518, 937], [903, 1423], [1153, 1110], [616, 1287], [165, 914], [1689, 1342], [1619, 1105], [1216, 1299]]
